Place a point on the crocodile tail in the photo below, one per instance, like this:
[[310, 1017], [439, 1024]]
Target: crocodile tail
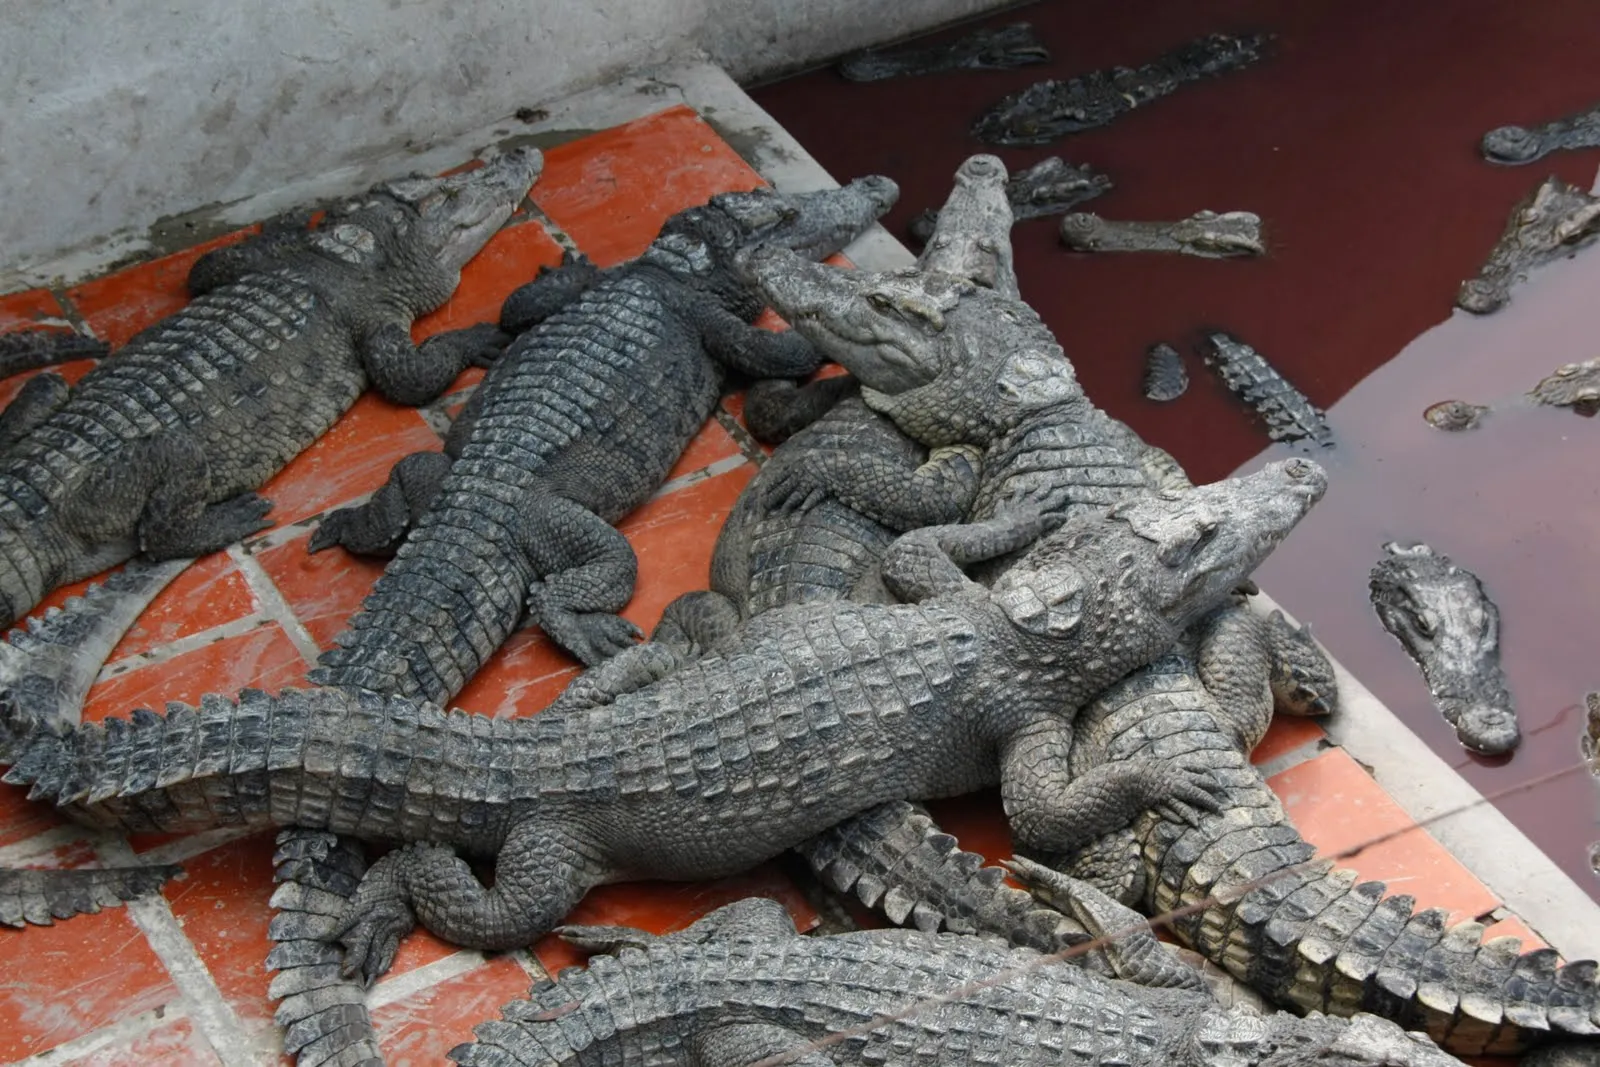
[[24, 350], [41, 897], [895, 858], [1317, 939], [322, 1013], [560, 1019]]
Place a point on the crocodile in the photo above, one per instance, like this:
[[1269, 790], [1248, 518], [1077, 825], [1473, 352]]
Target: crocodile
[[1050, 109], [43, 896], [1049, 187], [1240, 885], [578, 423], [1455, 415], [1442, 617], [1515, 145], [158, 450], [1573, 385], [1289, 415], [1205, 233], [741, 986], [1554, 221], [1165, 378], [25, 350], [814, 714], [1004, 48]]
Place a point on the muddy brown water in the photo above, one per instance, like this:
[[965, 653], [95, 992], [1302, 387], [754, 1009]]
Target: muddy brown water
[[1356, 141]]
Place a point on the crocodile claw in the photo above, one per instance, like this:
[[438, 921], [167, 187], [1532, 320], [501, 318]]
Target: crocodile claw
[[371, 933]]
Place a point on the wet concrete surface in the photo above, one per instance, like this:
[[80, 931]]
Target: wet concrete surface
[[1356, 141]]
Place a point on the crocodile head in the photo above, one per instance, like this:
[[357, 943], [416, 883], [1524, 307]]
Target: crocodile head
[[1240, 1039], [699, 244], [1175, 555], [972, 238], [450, 219], [947, 360], [1553, 221], [1512, 145]]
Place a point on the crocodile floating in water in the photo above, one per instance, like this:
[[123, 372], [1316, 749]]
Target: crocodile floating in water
[[1515, 145], [1455, 415], [1289, 415], [814, 714], [1205, 233], [1165, 378], [158, 450], [1050, 109], [1573, 385], [1553, 221], [1440, 614], [742, 987], [1049, 187], [991, 49]]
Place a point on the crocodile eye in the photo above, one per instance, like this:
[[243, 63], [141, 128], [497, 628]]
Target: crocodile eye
[[879, 301]]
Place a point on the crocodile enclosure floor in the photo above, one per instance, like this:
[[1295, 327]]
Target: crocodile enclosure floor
[[1355, 142]]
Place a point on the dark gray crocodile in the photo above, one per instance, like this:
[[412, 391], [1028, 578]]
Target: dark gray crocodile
[[1244, 886], [1442, 617], [741, 987], [1050, 109], [1049, 187], [613, 374], [157, 451], [1003, 48], [1289, 415], [1165, 378], [1552, 222], [1205, 233], [1573, 385], [1515, 145], [43, 896], [816, 713], [24, 350]]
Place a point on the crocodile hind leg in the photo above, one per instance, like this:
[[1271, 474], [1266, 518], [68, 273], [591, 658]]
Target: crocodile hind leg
[[539, 877], [377, 527], [697, 624], [775, 409], [39, 398], [587, 572]]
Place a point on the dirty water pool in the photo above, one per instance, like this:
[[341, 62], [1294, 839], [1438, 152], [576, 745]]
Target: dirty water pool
[[1356, 141]]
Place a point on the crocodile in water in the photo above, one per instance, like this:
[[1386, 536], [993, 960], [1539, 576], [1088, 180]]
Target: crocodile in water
[[1553, 221], [1165, 378], [1440, 614], [1573, 385], [159, 448], [1205, 233], [996, 49], [1515, 145], [1050, 187], [1289, 415], [1050, 109]]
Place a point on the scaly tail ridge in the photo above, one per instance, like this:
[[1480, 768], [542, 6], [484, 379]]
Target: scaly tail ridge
[[41, 897]]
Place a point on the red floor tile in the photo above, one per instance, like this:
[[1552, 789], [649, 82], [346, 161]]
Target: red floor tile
[[174, 1044], [510, 259], [526, 674], [1337, 806], [352, 458], [208, 594], [1287, 733], [21, 818], [711, 444], [611, 191], [27, 308], [323, 589], [120, 305], [1515, 927], [661, 907], [424, 1026], [65, 980], [263, 658]]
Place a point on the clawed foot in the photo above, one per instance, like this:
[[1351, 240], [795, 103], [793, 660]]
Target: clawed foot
[[371, 931], [359, 531], [223, 524], [793, 491], [1189, 793], [475, 346], [592, 637]]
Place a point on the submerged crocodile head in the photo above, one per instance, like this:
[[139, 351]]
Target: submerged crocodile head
[[1177, 554], [1554, 220], [972, 238], [947, 360], [447, 219], [1512, 145], [700, 243]]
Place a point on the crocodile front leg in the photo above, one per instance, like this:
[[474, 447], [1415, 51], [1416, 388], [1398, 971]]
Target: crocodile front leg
[[540, 876], [378, 527], [927, 563], [750, 350], [408, 374], [882, 487], [697, 624], [586, 574], [552, 289], [776, 409], [39, 398]]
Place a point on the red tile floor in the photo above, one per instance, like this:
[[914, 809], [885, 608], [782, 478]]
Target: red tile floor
[[182, 980]]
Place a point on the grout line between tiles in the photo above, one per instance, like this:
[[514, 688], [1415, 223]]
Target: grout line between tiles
[[530, 963], [171, 649], [36, 851], [214, 1021], [273, 605], [742, 437], [695, 477], [425, 977], [188, 846], [121, 1033], [293, 531]]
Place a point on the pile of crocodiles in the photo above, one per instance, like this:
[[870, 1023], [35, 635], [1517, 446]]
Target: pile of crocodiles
[[954, 572]]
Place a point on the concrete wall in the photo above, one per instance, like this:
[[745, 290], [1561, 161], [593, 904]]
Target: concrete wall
[[118, 114]]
